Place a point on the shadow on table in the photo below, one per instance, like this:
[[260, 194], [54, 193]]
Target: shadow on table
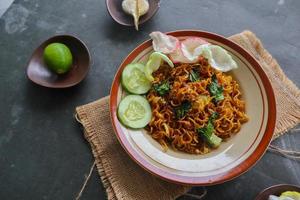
[[43, 98]]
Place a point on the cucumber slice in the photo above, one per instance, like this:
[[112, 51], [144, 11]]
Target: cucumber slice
[[154, 62], [134, 111], [151, 66], [161, 56], [134, 79]]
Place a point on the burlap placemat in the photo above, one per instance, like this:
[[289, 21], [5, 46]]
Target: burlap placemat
[[124, 179]]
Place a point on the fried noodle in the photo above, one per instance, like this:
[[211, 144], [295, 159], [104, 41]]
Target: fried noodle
[[181, 134]]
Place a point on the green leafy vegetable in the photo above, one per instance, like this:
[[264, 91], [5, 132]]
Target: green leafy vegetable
[[213, 117], [162, 88], [207, 132], [181, 110], [194, 76], [215, 89]]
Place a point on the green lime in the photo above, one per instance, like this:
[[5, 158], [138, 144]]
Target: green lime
[[290, 195], [58, 57]]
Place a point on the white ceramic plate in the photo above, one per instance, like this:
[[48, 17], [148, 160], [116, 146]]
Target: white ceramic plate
[[234, 156]]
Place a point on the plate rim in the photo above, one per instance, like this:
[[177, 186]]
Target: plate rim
[[238, 170]]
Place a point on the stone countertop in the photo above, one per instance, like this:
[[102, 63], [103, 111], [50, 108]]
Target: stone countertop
[[43, 154]]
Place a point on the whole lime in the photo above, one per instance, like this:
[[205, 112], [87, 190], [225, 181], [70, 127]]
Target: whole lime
[[58, 57]]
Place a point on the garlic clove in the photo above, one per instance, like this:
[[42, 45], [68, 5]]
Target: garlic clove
[[136, 8]]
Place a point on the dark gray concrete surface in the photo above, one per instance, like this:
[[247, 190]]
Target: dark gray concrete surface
[[43, 154]]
